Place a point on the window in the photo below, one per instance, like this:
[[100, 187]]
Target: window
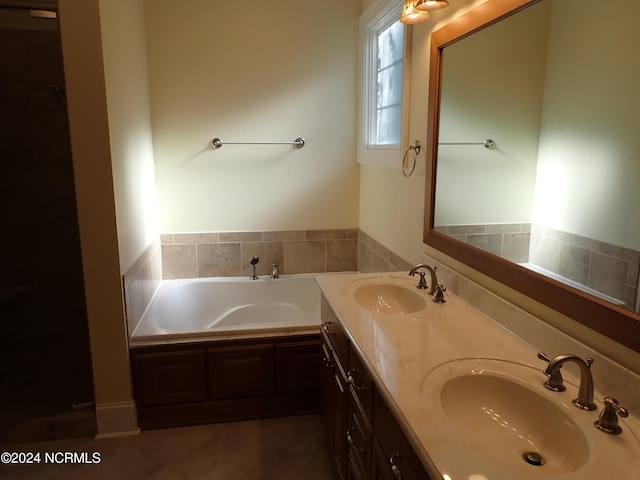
[[383, 82], [388, 110]]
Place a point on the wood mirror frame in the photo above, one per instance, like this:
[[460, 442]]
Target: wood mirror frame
[[616, 323]]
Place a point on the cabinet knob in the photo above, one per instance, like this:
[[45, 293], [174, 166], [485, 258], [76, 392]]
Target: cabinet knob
[[352, 443], [325, 327], [394, 468], [352, 380]]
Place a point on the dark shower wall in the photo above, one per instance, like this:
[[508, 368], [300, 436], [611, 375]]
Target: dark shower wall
[[45, 363]]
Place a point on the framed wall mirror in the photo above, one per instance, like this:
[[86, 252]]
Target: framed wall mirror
[[534, 155]]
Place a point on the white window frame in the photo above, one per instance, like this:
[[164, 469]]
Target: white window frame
[[381, 15]]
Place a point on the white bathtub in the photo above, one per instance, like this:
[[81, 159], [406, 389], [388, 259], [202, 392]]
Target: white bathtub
[[225, 306]]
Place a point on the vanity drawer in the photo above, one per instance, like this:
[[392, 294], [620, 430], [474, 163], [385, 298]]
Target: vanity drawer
[[397, 452], [358, 439], [360, 382], [333, 332]]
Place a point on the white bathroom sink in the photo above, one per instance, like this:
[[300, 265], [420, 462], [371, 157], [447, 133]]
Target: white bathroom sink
[[498, 417], [513, 423], [388, 298]]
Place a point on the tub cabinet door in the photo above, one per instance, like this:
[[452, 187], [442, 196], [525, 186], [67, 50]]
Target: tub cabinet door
[[168, 378], [226, 380], [241, 371], [297, 367]]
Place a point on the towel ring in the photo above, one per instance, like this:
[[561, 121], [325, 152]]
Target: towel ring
[[416, 147]]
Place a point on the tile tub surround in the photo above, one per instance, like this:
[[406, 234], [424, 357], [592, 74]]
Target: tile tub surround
[[603, 267], [375, 257], [401, 351], [507, 240], [227, 254], [140, 283]]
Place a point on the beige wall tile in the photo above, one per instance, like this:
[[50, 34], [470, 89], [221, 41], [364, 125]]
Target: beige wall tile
[[179, 261], [370, 262], [284, 235], [268, 253], [633, 271], [515, 247], [342, 255], [195, 237], [490, 242], [240, 236], [305, 257], [545, 252], [326, 234], [574, 263], [166, 238], [504, 228], [465, 229], [608, 275], [219, 260], [399, 263]]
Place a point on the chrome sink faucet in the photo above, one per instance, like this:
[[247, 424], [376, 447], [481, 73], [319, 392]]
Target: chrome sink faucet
[[585, 391], [422, 283]]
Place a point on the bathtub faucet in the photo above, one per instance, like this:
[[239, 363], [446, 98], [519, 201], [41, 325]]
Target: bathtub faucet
[[254, 261]]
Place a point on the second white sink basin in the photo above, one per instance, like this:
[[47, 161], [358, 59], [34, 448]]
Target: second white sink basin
[[498, 416], [513, 423], [388, 298]]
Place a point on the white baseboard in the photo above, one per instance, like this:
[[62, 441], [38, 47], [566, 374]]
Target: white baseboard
[[118, 419]]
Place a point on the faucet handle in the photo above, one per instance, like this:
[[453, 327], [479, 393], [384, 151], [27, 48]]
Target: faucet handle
[[555, 381], [439, 296], [422, 283], [544, 356], [608, 421]]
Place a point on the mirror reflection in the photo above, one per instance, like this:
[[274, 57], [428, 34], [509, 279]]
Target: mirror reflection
[[555, 87]]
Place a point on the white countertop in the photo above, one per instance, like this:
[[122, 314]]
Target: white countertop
[[401, 350]]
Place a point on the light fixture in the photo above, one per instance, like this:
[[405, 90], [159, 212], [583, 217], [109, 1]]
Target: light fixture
[[410, 14], [425, 5]]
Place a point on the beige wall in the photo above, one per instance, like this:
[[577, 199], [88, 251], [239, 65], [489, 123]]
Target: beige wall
[[288, 71], [594, 119], [91, 150], [127, 90]]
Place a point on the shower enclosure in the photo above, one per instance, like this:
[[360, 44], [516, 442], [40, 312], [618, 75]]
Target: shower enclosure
[[45, 362]]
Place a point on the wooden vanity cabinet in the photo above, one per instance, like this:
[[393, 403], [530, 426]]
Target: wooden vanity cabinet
[[364, 438], [334, 389]]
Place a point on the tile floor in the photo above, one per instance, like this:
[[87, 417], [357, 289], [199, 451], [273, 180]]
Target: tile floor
[[272, 449]]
